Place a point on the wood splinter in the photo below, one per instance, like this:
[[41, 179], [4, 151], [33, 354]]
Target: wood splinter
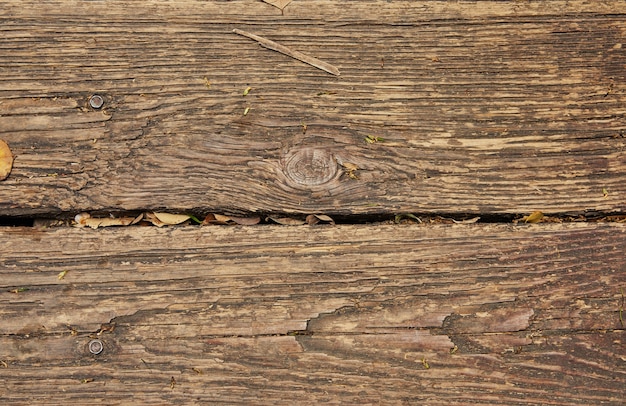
[[269, 44]]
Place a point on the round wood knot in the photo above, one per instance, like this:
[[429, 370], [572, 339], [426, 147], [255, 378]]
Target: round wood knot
[[309, 167]]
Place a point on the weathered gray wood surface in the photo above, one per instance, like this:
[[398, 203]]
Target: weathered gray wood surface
[[485, 106], [448, 314]]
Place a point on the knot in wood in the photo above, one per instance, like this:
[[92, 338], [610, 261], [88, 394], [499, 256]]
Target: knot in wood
[[309, 166]]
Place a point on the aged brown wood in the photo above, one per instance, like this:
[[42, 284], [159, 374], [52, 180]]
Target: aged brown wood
[[485, 107], [443, 314]]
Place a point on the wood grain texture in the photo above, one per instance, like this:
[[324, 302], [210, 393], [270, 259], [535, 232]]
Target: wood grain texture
[[448, 314], [485, 106]]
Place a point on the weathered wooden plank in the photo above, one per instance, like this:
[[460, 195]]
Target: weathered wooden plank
[[486, 314], [484, 106]]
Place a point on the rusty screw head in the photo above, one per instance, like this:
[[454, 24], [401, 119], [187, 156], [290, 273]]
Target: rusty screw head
[[95, 347], [96, 101]]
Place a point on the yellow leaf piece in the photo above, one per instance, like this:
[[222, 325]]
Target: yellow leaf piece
[[245, 112], [62, 274], [370, 139], [534, 217], [6, 160], [245, 92], [605, 192], [350, 169]]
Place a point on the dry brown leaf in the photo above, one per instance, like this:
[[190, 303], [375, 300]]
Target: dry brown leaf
[[534, 217], [281, 4], [312, 219], [222, 219], [166, 219], [286, 221], [85, 220], [6, 160]]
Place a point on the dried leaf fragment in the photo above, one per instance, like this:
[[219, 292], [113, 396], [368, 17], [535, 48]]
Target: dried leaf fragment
[[350, 169], [370, 139], [166, 219], [212, 218], [85, 220], [534, 217], [312, 219], [399, 217], [6, 160], [281, 4], [286, 221], [467, 221], [247, 90], [62, 274]]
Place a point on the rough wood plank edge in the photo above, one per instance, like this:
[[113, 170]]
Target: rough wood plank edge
[[456, 314], [274, 46], [485, 107]]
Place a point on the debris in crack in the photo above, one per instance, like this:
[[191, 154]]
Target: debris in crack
[[6, 160], [85, 220], [220, 219], [313, 219]]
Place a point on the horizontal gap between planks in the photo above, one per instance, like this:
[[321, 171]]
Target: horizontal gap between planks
[[67, 219]]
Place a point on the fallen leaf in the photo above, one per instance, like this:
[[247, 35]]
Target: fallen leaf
[[222, 219], [350, 168], [467, 221], [281, 4], [245, 112], [245, 92], [85, 220], [534, 217], [62, 274], [370, 139], [400, 217], [312, 219], [6, 160], [286, 221], [166, 219]]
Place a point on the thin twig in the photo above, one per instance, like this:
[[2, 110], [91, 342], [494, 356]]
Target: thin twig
[[264, 42]]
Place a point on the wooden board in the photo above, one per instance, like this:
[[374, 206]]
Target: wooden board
[[443, 314], [484, 106]]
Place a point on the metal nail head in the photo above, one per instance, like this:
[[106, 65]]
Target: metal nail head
[[96, 101], [95, 347]]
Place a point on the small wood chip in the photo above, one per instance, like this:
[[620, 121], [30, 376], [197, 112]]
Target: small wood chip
[[269, 44]]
